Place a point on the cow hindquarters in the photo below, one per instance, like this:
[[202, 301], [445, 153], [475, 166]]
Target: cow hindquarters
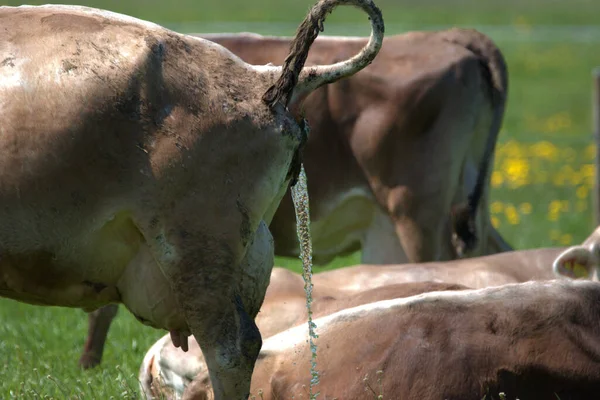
[[422, 225], [220, 301]]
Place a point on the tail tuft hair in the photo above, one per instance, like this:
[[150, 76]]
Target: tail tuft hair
[[464, 232]]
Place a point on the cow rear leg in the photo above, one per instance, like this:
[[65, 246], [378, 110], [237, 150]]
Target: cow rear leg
[[422, 224], [220, 301], [226, 333], [98, 324], [381, 244]]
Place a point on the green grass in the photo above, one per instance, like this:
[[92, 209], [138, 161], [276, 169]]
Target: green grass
[[547, 79]]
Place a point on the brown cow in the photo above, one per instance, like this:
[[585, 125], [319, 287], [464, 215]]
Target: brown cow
[[534, 340], [166, 370], [395, 147], [141, 166], [287, 286], [442, 96]]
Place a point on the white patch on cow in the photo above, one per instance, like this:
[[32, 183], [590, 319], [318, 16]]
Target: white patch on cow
[[11, 79], [265, 68], [297, 336], [173, 381], [11, 72]]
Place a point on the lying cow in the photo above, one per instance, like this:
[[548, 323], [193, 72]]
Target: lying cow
[[534, 340], [166, 371], [462, 87], [396, 146], [476, 272], [141, 166], [285, 305]]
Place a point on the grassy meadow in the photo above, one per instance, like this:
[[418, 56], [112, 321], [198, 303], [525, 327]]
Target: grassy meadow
[[542, 183]]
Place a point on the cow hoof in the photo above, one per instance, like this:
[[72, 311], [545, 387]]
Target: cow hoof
[[88, 361]]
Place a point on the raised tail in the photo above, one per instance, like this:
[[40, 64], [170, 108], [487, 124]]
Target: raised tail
[[495, 71], [296, 81]]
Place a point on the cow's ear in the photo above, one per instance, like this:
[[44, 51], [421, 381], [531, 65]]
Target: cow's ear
[[575, 262]]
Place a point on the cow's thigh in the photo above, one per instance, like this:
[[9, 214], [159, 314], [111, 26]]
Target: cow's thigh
[[256, 270]]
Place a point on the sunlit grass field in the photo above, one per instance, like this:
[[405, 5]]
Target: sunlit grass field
[[542, 183]]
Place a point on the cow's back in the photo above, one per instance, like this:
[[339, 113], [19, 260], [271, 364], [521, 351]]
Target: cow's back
[[476, 272], [85, 97]]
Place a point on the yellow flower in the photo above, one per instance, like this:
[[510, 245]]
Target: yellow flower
[[512, 149], [581, 205], [512, 215], [555, 206], [554, 209], [544, 150], [588, 170], [525, 208], [576, 178], [516, 171], [496, 207], [497, 179], [552, 216], [588, 173], [582, 192], [495, 222], [554, 234]]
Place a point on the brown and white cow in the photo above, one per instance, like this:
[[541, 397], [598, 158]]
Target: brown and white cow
[[396, 147], [534, 340], [285, 304], [166, 370], [433, 99], [141, 166]]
